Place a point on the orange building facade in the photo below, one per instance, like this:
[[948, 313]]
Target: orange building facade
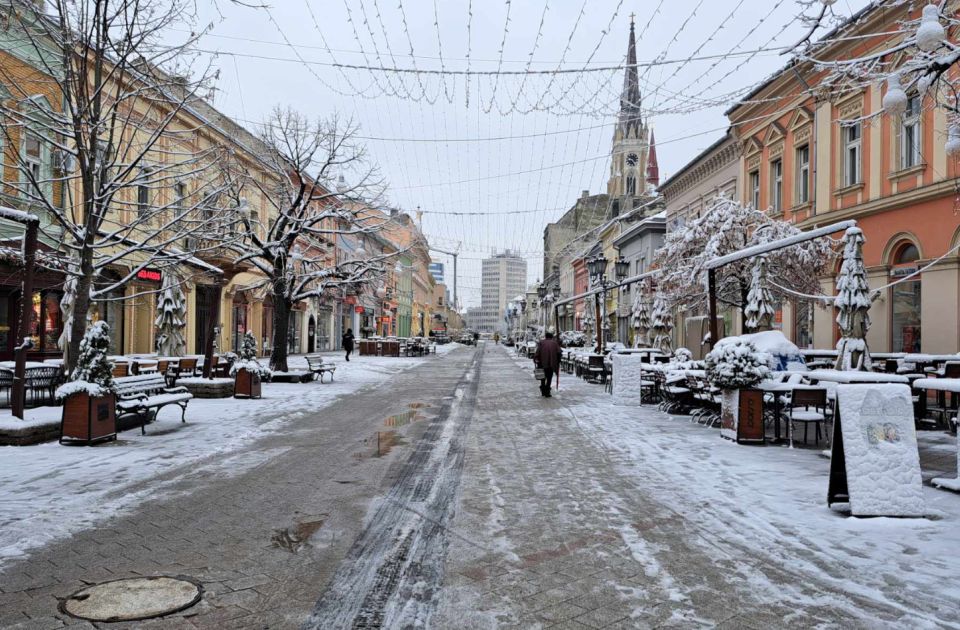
[[815, 156]]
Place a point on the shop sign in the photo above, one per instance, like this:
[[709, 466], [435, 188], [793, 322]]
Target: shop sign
[[874, 462], [150, 275], [902, 272], [358, 309]]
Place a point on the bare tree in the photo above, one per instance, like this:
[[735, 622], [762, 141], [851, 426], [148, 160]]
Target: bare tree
[[114, 161], [725, 227], [311, 207]]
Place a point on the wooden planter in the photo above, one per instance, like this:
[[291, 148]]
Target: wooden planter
[[246, 384], [88, 419]]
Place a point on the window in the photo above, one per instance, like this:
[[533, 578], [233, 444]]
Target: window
[[631, 185], [851, 153], [32, 156], [910, 134], [143, 192], [755, 188], [180, 196], [803, 324], [776, 185], [905, 302], [803, 175]]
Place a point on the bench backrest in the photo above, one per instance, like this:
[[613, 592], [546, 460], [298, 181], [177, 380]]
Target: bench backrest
[[314, 360], [188, 365], [140, 384]]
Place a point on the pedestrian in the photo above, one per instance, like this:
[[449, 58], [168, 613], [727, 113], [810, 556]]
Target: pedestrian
[[547, 357], [348, 342]]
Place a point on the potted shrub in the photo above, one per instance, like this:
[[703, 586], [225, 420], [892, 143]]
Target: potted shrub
[[247, 371], [735, 364], [90, 403]]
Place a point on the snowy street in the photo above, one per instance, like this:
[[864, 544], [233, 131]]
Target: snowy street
[[486, 507]]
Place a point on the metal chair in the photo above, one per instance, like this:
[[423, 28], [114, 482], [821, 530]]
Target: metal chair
[[807, 398], [6, 383]]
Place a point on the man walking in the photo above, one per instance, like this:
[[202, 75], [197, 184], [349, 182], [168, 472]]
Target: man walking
[[347, 342], [547, 357]]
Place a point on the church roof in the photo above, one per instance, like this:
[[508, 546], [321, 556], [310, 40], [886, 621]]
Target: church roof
[[630, 116], [653, 169]]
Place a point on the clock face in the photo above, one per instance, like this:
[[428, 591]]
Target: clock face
[[632, 159]]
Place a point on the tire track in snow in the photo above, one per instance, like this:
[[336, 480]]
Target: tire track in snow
[[394, 570]]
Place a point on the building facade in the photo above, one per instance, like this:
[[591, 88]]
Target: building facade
[[503, 276], [815, 160]]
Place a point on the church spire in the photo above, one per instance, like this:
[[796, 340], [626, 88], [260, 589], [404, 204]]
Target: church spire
[[630, 98], [653, 169]]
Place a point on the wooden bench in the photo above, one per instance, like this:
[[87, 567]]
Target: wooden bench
[[316, 365], [144, 393]]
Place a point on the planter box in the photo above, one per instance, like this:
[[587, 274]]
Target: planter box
[[246, 385], [88, 419], [741, 416], [208, 388]]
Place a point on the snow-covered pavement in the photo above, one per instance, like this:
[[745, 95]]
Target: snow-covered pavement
[[594, 515], [48, 491]]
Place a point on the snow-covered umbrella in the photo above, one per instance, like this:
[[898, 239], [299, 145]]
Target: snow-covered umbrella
[[171, 317], [853, 305], [759, 310], [641, 316], [661, 332]]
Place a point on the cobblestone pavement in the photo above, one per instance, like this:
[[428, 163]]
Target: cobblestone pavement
[[264, 542]]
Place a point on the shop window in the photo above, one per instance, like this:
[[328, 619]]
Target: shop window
[[905, 300], [239, 323], [46, 322], [111, 311], [803, 324]]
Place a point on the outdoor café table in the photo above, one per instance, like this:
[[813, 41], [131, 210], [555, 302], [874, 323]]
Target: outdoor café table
[[855, 376], [941, 386], [778, 391]]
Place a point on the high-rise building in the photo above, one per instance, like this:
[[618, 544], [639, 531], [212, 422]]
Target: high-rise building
[[436, 270], [503, 276]]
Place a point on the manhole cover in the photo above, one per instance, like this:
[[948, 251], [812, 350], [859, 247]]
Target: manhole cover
[[133, 598]]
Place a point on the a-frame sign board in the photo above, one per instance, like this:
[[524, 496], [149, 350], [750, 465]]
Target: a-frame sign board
[[874, 463]]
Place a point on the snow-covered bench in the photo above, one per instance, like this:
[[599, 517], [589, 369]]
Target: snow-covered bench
[[316, 365], [144, 393]]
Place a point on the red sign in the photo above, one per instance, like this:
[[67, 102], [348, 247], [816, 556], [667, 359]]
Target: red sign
[[153, 275], [358, 309]]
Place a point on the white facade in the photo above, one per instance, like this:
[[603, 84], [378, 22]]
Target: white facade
[[503, 277]]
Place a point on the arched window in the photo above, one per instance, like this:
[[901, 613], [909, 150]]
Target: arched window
[[905, 300]]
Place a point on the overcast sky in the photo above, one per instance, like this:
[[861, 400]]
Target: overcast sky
[[518, 150]]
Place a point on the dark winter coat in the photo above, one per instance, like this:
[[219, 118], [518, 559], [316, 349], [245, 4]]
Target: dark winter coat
[[547, 354], [348, 341]]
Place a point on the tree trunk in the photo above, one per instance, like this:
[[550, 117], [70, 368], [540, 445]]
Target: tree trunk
[[81, 309], [281, 326]]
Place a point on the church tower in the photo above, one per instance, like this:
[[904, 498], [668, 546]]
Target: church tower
[[631, 141]]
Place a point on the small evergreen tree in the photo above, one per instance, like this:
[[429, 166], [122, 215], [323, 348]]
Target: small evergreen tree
[[171, 318], [93, 366], [759, 310], [661, 332], [641, 315], [853, 303], [248, 347]]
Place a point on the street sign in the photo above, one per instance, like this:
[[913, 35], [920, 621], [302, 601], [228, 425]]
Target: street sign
[[874, 462], [150, 275]]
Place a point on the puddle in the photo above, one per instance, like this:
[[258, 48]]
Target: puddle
[[292, 538], [402, 419], [379, 445]]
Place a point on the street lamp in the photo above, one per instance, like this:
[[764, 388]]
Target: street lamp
[[622, 269]]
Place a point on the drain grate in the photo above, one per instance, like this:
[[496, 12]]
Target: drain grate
[[132, 599]]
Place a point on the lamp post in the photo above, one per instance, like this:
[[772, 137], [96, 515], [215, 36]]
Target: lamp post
[[556, 312], [597, 268]]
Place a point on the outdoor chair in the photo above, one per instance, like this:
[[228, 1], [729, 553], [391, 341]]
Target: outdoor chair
[[809, 406], [677, 397], [6, 383], [41, 384]]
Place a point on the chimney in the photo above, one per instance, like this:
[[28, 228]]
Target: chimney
[[585, 194]]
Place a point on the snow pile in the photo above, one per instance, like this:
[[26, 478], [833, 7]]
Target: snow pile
[[784, 353], [253, 366], [627, 378], [736, 363]]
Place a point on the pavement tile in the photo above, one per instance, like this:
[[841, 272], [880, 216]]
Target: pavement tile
[[603, 617], [560, 612]]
